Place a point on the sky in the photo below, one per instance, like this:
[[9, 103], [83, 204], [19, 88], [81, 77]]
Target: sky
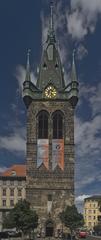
[[23, 26]]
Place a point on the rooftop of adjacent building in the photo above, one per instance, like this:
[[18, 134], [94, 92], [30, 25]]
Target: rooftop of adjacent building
[[94, 197], [18, 170]]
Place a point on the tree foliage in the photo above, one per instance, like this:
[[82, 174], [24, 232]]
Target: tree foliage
[[97, 228], [71, 218], [21, 217]]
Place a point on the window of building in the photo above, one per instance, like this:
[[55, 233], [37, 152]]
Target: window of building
[[11, 203], [94, 211], [94, 217], [13, 173], [4, 192], [45, 66], [4, 203], [11, 182], [11, 192], [57, 125], [49, 197], [89, 223], [19, 183], [43, 125], [19, 192], [4, 182]]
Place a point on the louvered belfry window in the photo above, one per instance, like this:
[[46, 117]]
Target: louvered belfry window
[[43, 125], [57, 125]]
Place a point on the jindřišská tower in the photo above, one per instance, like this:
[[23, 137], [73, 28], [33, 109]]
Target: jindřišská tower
[[50, 136]]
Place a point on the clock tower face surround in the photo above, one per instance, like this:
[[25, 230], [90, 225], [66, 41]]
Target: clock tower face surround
[[50, 92]]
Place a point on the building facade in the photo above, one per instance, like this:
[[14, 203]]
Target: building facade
[[12, 188], [50, 136], [92, 214]]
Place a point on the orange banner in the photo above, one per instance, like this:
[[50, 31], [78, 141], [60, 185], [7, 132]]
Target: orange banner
[[43, 152], [58, 153]]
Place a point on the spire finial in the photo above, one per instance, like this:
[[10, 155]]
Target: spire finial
[[51, 34], [28, 66], [28, 55], [74, 77], [74, 51], [51, 20]]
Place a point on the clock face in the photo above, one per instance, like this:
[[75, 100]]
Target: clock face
[[50, 92]]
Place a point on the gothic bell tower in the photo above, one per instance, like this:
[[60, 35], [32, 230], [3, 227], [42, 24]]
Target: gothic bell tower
[[50, 136]]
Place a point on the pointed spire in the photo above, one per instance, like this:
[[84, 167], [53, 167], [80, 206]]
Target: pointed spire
[[51, 33], [51, 19], [28, 78], [73, 72]]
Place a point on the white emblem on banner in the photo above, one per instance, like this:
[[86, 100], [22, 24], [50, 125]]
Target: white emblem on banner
[[58, 153]]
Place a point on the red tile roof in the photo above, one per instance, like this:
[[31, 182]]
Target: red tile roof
[[15, 170]]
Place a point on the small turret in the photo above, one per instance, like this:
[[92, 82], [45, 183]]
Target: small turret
[[74, 83], [28, 77], [73, 71], [27, 82], [72, 87]]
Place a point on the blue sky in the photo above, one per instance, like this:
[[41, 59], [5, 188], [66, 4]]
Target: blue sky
[[23, 25]]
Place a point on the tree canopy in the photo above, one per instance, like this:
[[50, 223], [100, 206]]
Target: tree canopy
[[97, 228], [71, 218], [21, 217]]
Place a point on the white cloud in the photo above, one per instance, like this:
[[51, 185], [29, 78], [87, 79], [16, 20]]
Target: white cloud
[[95, 100], [81, 198], [75, 25], [45, 27], [88, 140], [86, 136], [81, 52], [20, 74], [3, 169], [15, 142], [83, 17], [79, 201]]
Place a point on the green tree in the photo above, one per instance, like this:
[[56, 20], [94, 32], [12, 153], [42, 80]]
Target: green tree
[[97, 228], [21, 217], [71, 218]]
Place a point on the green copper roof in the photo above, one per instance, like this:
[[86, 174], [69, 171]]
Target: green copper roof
[[50, 66]]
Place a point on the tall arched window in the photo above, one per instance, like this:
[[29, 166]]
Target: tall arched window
[[58, 125], [43, 125]]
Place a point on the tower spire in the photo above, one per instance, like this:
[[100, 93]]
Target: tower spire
[[51, 33], [51, 19], [28, 78]]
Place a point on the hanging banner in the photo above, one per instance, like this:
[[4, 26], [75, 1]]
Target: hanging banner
[[43, 152], [58, 153]]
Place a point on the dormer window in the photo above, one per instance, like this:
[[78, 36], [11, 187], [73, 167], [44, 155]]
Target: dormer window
[[44, 66], [13, 173], [50, 52], [56, 65]]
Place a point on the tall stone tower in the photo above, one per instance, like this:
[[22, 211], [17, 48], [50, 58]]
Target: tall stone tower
[[50, 136]]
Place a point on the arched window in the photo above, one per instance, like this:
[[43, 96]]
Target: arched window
[[43, 125], [58, 125]]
